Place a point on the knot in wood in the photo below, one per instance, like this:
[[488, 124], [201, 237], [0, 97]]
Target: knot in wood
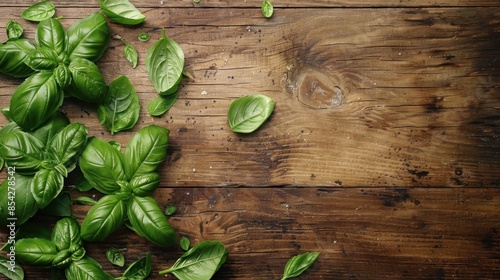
[[319, 90]]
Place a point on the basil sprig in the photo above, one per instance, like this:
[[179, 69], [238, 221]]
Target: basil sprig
[[128, 179]]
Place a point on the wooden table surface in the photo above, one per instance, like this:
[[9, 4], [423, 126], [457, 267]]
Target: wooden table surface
[[382, 154]]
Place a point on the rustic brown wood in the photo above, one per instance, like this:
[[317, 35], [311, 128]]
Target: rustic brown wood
[[383, 152]]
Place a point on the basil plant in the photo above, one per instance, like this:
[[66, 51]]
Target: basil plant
[[59, 64], [128, 179]]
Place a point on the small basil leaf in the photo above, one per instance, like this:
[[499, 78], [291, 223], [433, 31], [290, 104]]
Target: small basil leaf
[[121, 11], [16, 189], [164, 63], [46, 186], [35, 100], [50, 34], [14, 30], [115, 257], [12, 56], [36, 251], [105, 217], [83, 200], [161, 104], [148, 220], [62, 259], [66, 146], [11, 269], [22, 151], [146, 150], [86, 269], [66, 233], [87, 84], [120, 111], [145, 185], [59, 206], [139, 269], [42, 59], [200, 262], [88, 38], [117, 145], [102, 166], [39, 11], [185, 243], [62, 74], [130, 54], [144, 37], [267, 8], [246, 114], [170, 210], [298, 264]]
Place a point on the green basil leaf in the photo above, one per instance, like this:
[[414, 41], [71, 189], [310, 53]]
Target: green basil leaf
[[146, 150], [66, 233], [139, 269], [62, 259], [35, 251], [115, 256], [59, 206], [14, 30], [11, 269], [130, 54], [39, 11], [16, 190], [87, 84], [83, 200], [298, 264], [185, 243], [161, 104], [51, 127], [200, 262], [121, 11], [105, 217], [88, 38], [46, 186], [22, 151], [164, 63], [12, 56], [170, 210], [145, 185], [102, 166], [86, 269], [144, 37], [267, 8], [62, 74], [42, 59], [148, 220], [246, 114], [66, 146], [51, 34], [120, 111], [82, 184], [117, 145], [35, 100]]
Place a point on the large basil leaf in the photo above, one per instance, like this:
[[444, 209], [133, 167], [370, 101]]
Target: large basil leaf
[[35, 100], [42, 59], [88, 38], [165, 63], [246, 114], [46, 185], [12, 56], [65, 147], [86, 269], [39, 11], [200, 262], [148, 221], [139, 269], [51, 127], [161, 104], [36, 251], [11, 269], [121, 11], [16, 191], [298, 264], [102, 166], [22, 151], [105, 217], [66, 233], [120, 110], [145, 185], [50, 34], [146, 150], [87, 84], [14, 30]]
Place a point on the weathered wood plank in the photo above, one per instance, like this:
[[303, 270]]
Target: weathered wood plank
[[388, 233], [413, 90]]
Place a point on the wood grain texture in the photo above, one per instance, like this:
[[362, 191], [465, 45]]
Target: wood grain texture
[[383, 152]]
